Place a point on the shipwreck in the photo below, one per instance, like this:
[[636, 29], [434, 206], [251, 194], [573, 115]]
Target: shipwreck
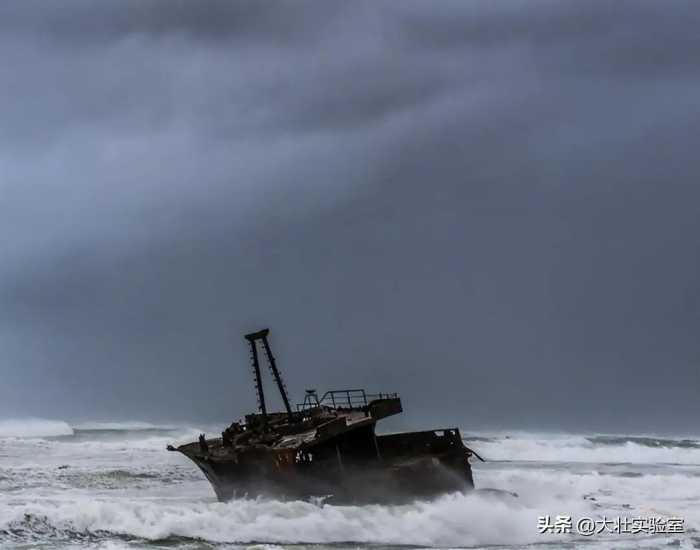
[[327, 446]]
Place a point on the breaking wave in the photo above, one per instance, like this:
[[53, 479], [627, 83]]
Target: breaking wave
[[652, 442], [113, 486], [114, 434], [451, 520], [119, 426], [602, 449], [34, 427]]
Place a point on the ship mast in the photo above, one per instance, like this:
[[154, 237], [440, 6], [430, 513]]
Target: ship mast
[[252, 340]]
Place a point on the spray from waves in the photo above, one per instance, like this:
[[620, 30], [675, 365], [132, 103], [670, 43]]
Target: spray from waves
[[654, 442], [453, 520], [602, 449], [34, 427], [131, 493], [98, 432], [119, 426], [123, 435]]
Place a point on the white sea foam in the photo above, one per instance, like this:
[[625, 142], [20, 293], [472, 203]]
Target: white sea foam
[[118, 488], [454, 520], [572, 448], [34, 427], [127, 425]]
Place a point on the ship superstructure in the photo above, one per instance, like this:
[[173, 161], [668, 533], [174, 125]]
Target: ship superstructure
[[327, 446]]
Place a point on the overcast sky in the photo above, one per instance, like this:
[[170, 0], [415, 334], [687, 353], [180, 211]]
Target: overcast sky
[[492, 208]]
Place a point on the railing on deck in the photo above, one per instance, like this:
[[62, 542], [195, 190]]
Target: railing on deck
[[342, 399]]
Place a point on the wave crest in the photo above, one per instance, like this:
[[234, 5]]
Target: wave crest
[[653, 442], [34, 427], [600, 449], [451, 520]]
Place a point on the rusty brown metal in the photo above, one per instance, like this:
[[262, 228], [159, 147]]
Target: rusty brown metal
[[329, 447]]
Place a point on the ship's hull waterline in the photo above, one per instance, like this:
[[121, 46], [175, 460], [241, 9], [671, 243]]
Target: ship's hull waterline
[[408, 466]]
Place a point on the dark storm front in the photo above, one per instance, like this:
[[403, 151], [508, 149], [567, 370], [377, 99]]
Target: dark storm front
[[327, 447]]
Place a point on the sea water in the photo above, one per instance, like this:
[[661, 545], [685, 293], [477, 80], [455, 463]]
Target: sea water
[[114, 486]]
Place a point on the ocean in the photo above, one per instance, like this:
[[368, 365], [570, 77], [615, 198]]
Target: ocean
[[113, 486]]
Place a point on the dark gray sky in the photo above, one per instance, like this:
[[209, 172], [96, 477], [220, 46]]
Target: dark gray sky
[[490, 207]]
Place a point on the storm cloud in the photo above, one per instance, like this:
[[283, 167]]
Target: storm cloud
[[492, 208]]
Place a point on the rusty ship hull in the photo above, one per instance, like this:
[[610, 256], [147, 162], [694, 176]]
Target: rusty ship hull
[[407, 465], [328, 447]]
